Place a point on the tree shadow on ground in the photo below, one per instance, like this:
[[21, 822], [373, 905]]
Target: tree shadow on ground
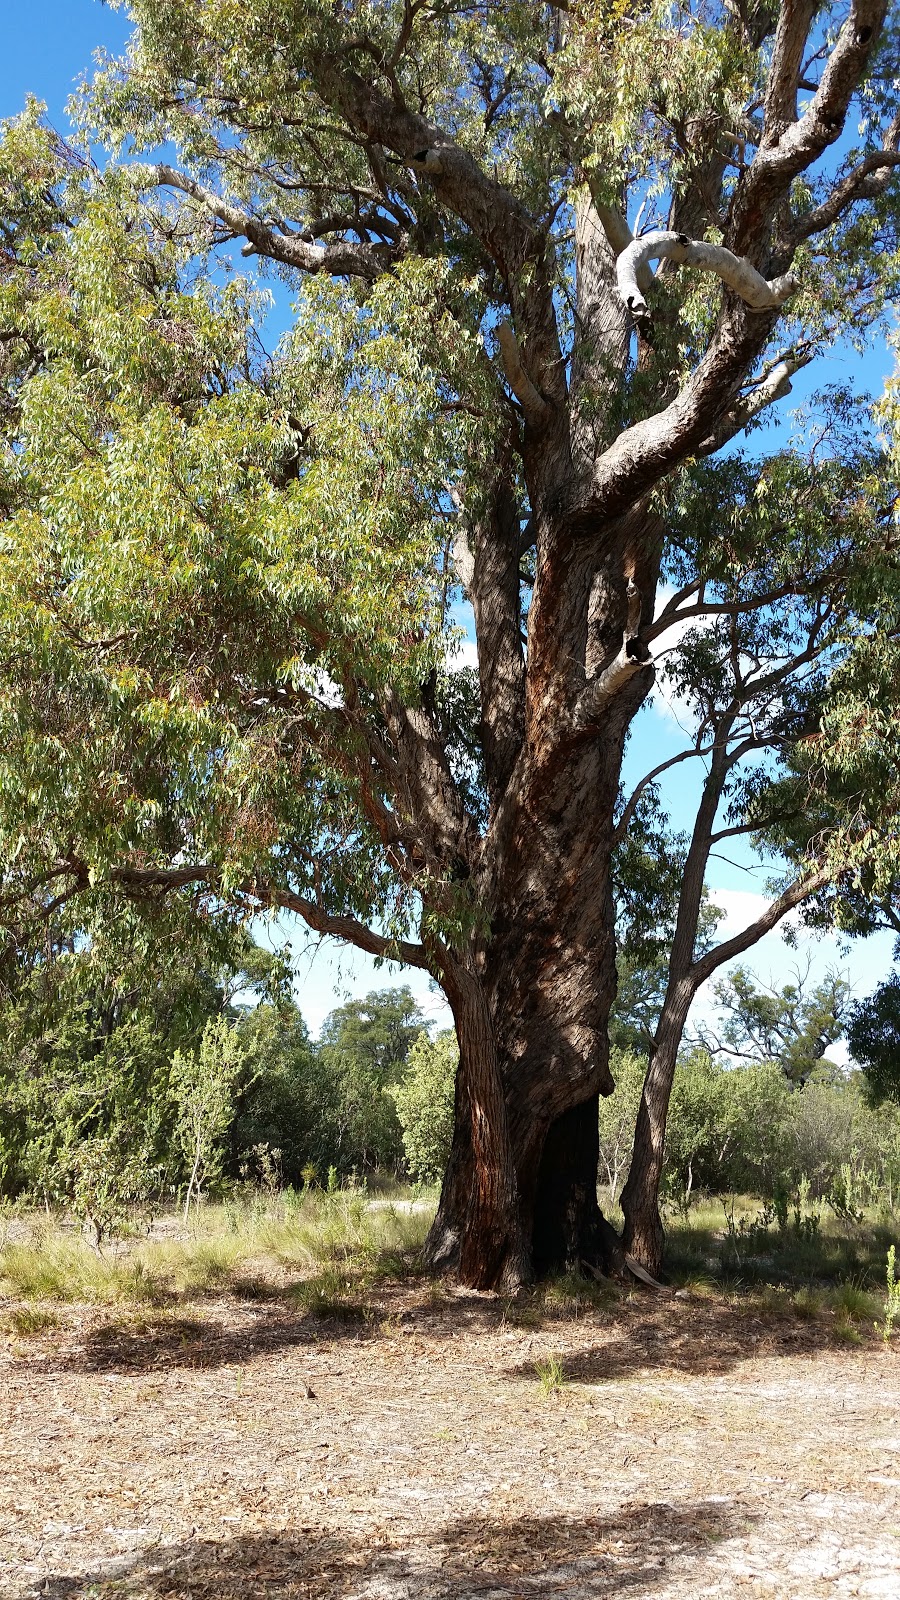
[[162, 1342], [630, 1553], [633, 1334], [703, 1339]]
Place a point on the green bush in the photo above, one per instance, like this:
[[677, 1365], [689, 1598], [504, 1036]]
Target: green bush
[[424, 1102], [618, 1114]]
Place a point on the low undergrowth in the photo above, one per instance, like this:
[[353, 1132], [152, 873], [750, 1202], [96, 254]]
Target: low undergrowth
[[335, 1244], [327, 1254], [799, 1262], [740, 1241]]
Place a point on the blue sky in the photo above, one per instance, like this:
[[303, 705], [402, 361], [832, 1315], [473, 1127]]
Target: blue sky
[[46, 46]]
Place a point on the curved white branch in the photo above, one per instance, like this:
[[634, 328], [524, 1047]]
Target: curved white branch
[[758, 293]]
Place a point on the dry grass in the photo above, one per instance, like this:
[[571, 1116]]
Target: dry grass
[[255, 1249]]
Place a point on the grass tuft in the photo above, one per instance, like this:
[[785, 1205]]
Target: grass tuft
[[569, 1295], [27, 1321], [550, 1374], [245, 1247]]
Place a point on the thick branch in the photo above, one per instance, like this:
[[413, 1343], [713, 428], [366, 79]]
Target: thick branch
[[348, 928], [734, 271], [867, 180], [794, 22], [496, 217], [340, 259], [633, 657], [773, 386], [337, 926], [537, 411], [510, 236], [789, 148], [793, 896]]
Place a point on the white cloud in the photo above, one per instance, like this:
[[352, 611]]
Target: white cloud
[[462, 653], [743, 906]]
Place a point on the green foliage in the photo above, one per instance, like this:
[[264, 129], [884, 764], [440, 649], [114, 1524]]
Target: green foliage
[[873, 1034], [280, 1097], [892, 1300], [128, 1067], [618, 1115], [212, 521], [203, 1083], [90, 1025], [744, 1130], [424, 1100], [363, 1052]]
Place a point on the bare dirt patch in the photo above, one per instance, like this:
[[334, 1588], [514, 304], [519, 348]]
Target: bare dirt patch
[[240, 1448]]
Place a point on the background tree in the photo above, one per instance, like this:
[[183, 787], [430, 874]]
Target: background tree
[[618, 1115], [873, 1034], [90, 1024], [792, 1026], [282, 1097], [363, 1053], [234, 574], [203, 1083], [424, 1101], [806, 576]]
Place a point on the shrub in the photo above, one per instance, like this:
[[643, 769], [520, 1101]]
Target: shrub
[[424, 1102]]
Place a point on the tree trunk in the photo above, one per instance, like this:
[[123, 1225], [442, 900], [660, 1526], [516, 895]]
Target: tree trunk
[[496, 1234], [644, 1235], [544, 967], [520, 1191], [478, 1229]]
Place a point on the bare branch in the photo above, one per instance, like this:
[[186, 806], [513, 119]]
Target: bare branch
[[714, 608], [734, 271], [648, 778], [793, 896], [341, 259]]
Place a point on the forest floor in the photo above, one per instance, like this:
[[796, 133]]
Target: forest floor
[[436, 1445]]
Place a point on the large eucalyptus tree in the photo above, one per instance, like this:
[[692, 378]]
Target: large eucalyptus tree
[[236, 573]]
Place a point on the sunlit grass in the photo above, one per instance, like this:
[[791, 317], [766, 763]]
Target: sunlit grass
[[254, 1246], [550, 1374], [706, 1245]]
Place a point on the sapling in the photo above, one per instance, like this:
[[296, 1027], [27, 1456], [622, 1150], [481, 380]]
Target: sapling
[[892, 1302]]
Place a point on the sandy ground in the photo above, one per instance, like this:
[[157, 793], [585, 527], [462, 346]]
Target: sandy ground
[[242, 1450]]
